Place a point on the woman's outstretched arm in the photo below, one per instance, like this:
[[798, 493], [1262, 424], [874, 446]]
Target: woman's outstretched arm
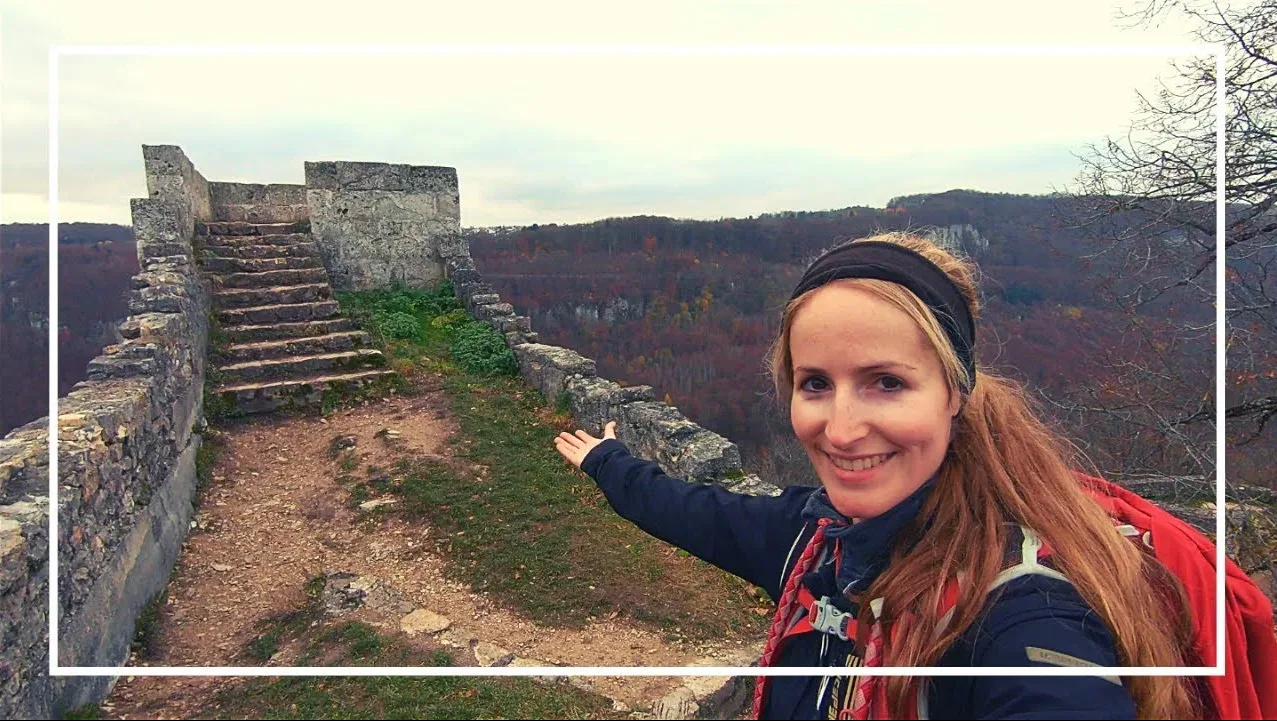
[[748, 536]]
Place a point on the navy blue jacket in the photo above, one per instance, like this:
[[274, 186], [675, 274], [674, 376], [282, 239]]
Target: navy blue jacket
[[757, 539]]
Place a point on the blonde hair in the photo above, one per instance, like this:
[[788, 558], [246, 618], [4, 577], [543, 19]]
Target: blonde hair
[[1005, 466]]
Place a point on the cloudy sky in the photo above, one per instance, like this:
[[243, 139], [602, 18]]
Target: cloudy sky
[[538, 138]]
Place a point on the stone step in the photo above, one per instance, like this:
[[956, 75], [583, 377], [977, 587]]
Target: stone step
[[281, 331], [312, 346], [259, 265], [277, 313], [270, 278], [233, 241], [276, 295], [235, 227], [298, 366], [296, 250], [296, 394]]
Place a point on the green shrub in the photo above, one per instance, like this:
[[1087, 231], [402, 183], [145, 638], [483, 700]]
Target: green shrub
[[451, 322], [399, 325], [480, 349]]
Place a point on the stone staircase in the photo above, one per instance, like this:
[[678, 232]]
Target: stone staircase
[[284, 342]]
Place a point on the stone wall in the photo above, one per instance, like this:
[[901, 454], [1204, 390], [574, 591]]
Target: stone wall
[[128, 436], [377, 224], [170, 174], [651, 429], [257, 203], [25, 684]]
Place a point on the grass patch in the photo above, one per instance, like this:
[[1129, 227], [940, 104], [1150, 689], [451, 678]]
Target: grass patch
[[563, 403], [218, 407], [83, 713], [276, 630], [217, 338], [533, 532], [206, 457], [357, 644], [145, 631]]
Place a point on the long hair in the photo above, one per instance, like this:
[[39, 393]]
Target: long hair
[[1006, 466]]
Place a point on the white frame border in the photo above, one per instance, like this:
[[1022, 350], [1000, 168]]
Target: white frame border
[[58, 51]]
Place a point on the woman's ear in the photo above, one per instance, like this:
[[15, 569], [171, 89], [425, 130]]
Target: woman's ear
[[955, 403]]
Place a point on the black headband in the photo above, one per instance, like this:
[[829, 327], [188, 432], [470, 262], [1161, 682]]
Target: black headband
[[897, 264]]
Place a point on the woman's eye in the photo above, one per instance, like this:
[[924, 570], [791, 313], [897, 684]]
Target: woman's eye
[[891, 383], [813, 384]]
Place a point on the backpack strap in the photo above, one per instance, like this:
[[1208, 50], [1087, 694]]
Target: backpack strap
[[1032, 551], [800, 542]]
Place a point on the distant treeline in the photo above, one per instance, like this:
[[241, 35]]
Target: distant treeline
[[95, 263]]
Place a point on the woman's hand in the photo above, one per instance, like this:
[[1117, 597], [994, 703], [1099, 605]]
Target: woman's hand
[[576, 447]]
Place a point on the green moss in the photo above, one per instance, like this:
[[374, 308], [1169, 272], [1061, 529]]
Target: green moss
[[217, 338], [145, 632], [205, 458], [218, 406]]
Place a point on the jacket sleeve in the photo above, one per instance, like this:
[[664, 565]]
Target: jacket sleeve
[[747, 536], [1036, 622]]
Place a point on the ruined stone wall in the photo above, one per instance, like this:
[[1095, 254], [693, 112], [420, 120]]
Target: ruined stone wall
[[377, 224], [170, 174], [652, 429], [128, 436], [257, 203], [25, 685]]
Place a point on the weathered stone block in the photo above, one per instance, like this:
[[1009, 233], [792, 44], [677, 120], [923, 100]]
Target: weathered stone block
[[469, 289], [377, 224], [432, 179], [459, 262], [464, 276], [750, 485], [684, 449], [453, 245], [503, 323], [594, 401], [261, 213], [257, 194], [493, 310], [24, 462], [25, 686], [159, 220], [172, 175], [548, 367]]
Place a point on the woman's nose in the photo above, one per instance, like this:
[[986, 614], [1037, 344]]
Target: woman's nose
[[847, 424]]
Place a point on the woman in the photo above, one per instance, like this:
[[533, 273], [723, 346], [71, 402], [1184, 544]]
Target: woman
[[931, 471]]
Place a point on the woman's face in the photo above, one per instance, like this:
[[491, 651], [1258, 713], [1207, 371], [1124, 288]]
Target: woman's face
[[870, 403]]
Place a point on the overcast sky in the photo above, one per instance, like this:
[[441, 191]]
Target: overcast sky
[[569, 139]]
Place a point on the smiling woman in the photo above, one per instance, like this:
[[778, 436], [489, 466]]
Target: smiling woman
[[950, 528], [870, 403]]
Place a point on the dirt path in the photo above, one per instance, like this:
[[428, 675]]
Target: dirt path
[[276, 516]]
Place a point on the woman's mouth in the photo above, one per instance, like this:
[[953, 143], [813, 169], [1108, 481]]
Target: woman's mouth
[[858, 469]]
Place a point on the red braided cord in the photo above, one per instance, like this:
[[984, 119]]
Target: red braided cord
[[865, 698], [784, 609]]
